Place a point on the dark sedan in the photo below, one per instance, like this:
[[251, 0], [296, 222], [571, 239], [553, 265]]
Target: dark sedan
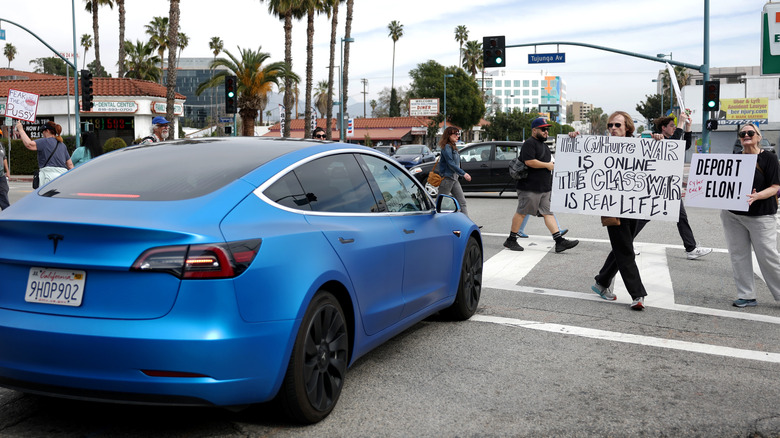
[[414, 154], [487, 163]]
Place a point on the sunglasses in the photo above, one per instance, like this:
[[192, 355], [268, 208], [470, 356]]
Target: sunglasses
[[319, 136], [744, 134], [545, 129], [616, 125]]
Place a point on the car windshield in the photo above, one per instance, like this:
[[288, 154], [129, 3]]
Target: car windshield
[[162, 172], [410, 150]]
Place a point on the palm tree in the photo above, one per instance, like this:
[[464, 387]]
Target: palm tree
[[396, 32], [216, 45], [10, 52], [312, 7], [142, 62], [121, 62], [461, 36], [682, 74], [373, 105], [86, 43], [184, 41], [321, 97], [472, 57], [157, 29], [173, 43], [255, 81], [345, 67], [333, 28], [91, 6], [285, 10]]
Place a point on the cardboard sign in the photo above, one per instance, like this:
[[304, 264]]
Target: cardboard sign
[[21, 105], [720, 181], [638, 178]]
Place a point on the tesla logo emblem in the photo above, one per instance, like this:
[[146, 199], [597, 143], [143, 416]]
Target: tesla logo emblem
[[56, 239]]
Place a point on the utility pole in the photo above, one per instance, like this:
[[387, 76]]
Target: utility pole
[[364, 81]]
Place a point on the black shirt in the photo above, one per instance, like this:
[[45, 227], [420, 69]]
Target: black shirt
[[767, 173], [538, 180]]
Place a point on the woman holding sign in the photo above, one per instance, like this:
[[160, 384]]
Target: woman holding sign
[[53, 157], [756, 227]]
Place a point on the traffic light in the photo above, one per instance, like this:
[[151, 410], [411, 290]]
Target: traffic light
[[86, 90], [712, 125], [711, 95], [494, 51], [231, 94]]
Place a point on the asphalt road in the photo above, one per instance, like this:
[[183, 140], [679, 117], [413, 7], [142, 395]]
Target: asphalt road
[[542, 357]]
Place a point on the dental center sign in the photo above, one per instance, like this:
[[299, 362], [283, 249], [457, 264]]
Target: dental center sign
[[21, 105], [770, 39]]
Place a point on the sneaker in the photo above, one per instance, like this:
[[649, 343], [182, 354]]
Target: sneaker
[[522, 234], [638, 304], [745, 303], [698, 252], [564, 231], [604, 292], [564, 244], [512, 244]]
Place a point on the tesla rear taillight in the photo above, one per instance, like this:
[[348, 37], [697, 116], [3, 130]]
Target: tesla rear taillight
[[202, 261]]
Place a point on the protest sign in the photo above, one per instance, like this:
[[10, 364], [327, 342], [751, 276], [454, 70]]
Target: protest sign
[[720, 181], [21, 105], [638, 178]]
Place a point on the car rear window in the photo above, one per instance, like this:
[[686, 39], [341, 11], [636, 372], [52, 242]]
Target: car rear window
[[165, 172]]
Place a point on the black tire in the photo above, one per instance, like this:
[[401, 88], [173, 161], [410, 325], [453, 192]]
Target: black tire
[[315, 374], [469, 286]]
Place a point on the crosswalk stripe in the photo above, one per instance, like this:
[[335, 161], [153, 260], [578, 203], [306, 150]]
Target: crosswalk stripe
[[632, 339]]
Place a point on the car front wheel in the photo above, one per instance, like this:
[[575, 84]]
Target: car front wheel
[[470, 285], [315, 374]]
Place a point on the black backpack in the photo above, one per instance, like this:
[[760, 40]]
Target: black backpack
[[518, 169]]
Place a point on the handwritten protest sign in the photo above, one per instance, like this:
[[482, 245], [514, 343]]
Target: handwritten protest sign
[[628, 177], [720, 181], [21, 105]]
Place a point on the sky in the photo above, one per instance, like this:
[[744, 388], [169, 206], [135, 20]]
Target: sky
[[606, 80]]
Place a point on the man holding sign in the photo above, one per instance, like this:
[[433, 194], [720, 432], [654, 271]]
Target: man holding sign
[[754, 228]]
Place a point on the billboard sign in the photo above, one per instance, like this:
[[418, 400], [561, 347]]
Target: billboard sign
[[423, 107]]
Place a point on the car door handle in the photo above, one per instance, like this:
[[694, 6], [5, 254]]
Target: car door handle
[[343, 240], [484, 165], [408, 231]]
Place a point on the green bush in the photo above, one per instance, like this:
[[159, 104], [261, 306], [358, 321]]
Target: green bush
[[113, 144], [22, 161]]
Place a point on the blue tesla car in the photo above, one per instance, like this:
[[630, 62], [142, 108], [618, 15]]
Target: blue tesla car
[[224, 272]]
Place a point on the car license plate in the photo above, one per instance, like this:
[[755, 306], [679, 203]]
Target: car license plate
[[63, 287]]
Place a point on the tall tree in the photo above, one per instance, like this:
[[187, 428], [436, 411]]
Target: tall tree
[[461, 36], [184, 41], [284, 9], [86, 43], [216, 45], [52, 65], [331, 65], [651, 108], [396, 32], [173, 44], [321, 97], [9, 52], [92, 7], [121, 62], [255, 81], [472, 58], [465, 106], [312, 7], [345, 67], [157, 29], [142, 62]]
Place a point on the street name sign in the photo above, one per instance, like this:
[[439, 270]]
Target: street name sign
[[543, 58]]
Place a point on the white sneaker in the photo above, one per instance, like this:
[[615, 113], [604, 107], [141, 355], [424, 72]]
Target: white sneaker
[[638, 304], [697, 252]]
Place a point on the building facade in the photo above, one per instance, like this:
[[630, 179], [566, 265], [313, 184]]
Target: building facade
[[199, 110], [525, 90], [579, 111]]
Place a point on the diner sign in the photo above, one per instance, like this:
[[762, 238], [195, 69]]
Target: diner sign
[[628, 177]]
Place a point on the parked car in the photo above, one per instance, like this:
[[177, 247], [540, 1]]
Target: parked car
[[261, 275], [387, 150], [413, 154], [487, 163], [764, 144]]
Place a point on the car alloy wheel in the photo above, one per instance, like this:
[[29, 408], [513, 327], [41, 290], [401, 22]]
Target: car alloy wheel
[[315, 375], [470, 285], [432, 191]]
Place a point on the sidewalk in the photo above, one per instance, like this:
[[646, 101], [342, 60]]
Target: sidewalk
[[20, 178]]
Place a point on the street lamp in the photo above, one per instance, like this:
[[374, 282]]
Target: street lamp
[[445, 99], [662, 96], [341, 89], [671, 89]]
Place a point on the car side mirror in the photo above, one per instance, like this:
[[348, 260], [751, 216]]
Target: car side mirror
[[447, 204]]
